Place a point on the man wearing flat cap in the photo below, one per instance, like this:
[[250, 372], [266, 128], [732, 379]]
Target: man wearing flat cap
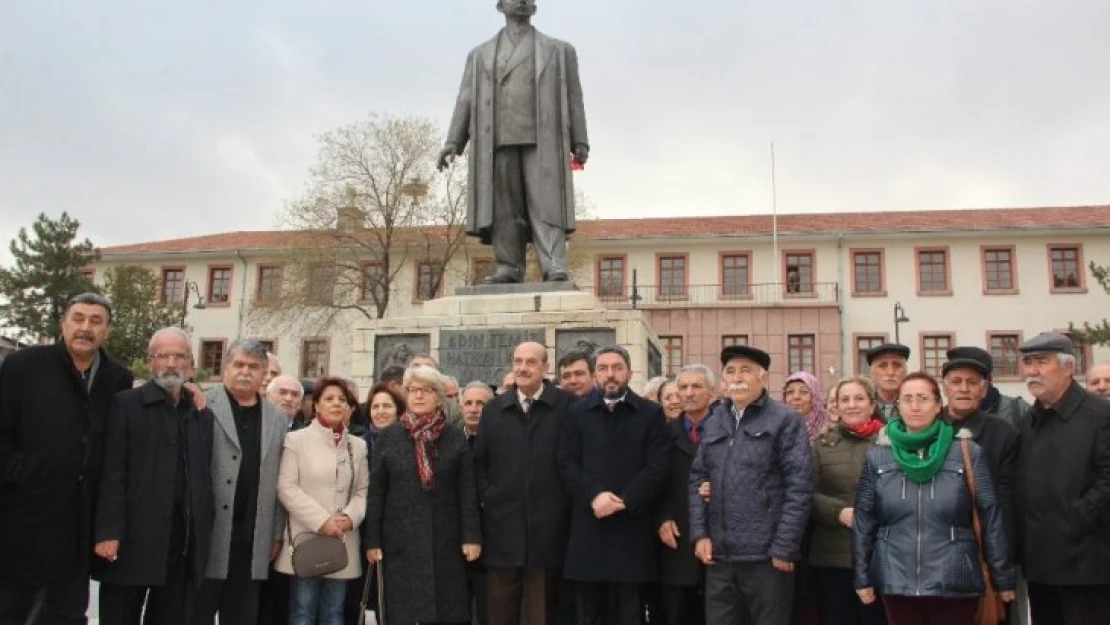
[[1063, 494], [965, 379], [887, 366], [755, 454], [1003, 406]]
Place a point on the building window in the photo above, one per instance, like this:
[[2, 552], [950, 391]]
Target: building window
[[269, 284], [1005, 357], [269, 344], [800, 352], [735, 274], [212, 356], [1067, 267], [932, 271], [867, 272], [480, 269], [934, 352], [864, 345], [314, 358], [219, 285], [320, 288], [610, 277], [372, 285], [429, 277], [173, 285], [799, 272], [672, 350], [998, 269], [672, 276], [733, 339], [89, 274]]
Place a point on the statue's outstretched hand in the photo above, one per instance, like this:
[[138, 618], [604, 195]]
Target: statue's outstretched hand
[[446, 157]]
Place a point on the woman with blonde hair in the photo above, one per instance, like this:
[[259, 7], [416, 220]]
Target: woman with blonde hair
[[423, 521]]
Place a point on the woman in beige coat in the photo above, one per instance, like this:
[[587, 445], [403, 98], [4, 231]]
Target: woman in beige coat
[[322, 484]]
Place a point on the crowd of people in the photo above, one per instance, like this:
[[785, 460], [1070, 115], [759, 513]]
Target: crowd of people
[[895, 497]]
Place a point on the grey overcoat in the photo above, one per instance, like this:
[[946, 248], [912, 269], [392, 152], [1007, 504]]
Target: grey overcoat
[[270, 516], [560, 125]]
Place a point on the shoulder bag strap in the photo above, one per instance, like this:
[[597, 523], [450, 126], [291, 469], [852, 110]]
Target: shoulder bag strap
[[969, 477]]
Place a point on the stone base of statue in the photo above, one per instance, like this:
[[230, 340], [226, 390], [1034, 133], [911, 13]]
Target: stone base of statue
[[472, 334]]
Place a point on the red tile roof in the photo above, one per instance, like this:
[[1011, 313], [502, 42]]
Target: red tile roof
[[1050, 218]]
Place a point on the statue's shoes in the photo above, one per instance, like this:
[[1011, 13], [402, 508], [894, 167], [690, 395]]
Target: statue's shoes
[[560, 276], [502, 278]]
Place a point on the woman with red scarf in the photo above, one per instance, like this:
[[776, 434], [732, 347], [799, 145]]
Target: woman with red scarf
[[322, 484], [838, 456], [422, 526]]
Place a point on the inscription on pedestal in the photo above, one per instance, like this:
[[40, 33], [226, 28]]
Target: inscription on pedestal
[[397, 349], [484, 355]]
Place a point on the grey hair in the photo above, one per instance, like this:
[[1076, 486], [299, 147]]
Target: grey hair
[[615, 349], [92, 299], [700, 369], [426, 374], [447, 379], [250, 348], [652, 387], [478, 384], [1065, 359], [175, 331], [272, 386]]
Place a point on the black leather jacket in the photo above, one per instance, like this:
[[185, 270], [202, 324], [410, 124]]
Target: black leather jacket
[[915, 539]]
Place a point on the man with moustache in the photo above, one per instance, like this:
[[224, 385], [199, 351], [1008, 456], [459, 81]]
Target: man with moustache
[[994, 402], [755, 454], [613, 458], [54, 401], [681, 575], [887, 367], [1098, 380], [154, 512], [247, 532], [1063, 489], [525, 511]]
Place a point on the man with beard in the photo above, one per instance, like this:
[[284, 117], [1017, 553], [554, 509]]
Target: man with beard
[[887, 368], [613, 458], [755, 453], [154, 512], [247, 532], [54, 401], [1063, 489]]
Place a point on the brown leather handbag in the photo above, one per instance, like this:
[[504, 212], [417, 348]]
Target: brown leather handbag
[[992, 610]]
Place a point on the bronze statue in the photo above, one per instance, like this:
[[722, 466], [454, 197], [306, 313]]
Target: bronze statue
[[520, 106]]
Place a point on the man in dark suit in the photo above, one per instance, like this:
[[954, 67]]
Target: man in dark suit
[[681, 574], [525, 511], [53, 404], [154, 512], [614, 459]]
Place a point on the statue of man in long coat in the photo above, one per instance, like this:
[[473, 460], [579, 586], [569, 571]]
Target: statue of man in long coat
[[520, 104]]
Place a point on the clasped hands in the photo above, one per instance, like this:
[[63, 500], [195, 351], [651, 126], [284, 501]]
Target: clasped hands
[[336, 526], [447, 155], [606, 504], [470, 551]]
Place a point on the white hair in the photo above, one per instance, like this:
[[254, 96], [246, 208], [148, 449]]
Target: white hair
[[478, 384], [700, 369], [1065, 359], [173, 330], [652, 386], [272, 387], [428, 375]]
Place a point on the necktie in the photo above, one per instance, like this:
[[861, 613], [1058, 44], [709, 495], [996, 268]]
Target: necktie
[[528, 405], [611, 406], [695, 434]]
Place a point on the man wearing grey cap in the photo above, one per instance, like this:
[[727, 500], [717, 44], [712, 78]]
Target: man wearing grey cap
[[887, 367], [1003, 406], [1063, 494]]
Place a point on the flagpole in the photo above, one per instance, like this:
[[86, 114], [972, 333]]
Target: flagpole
[[774, 221]]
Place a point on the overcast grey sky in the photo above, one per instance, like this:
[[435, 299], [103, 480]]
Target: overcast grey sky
[[199, 116]]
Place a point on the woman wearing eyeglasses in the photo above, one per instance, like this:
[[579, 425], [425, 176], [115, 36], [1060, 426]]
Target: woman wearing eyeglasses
[[913, 539], [422, 524]]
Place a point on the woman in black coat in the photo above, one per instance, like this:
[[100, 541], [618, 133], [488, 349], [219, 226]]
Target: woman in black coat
[[423, 520]]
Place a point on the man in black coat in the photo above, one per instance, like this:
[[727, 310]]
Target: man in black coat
[[1063, 489], [525, 511], [614, 459], [155, 509], [53, 403], [681, 574]]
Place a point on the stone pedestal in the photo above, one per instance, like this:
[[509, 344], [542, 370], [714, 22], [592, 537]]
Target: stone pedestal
[[473, 336]]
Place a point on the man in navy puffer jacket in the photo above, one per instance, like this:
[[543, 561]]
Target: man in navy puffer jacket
[[755, 454]]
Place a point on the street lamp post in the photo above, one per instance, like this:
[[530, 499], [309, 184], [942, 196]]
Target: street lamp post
[[899, 318], [191, 287]]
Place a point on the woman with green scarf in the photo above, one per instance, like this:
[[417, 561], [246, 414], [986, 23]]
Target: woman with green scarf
[[913, 540]]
